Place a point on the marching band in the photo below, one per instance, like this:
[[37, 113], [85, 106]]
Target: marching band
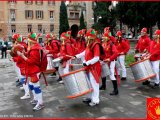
[[98, 57]]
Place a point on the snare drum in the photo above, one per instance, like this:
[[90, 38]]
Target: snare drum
[[56, 62], [77, 83], [50, 68], [142, 70], [105, 70]]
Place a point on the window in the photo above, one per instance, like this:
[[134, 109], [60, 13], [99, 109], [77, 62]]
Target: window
[[51, 28], [13, 28], [39, 2], [12, 1], [40, 28], [39, 14], [12, 15], [29, 28], [76, 15], [29, 2], [29, 14], [71, 15], [51, 2], [51, 14]]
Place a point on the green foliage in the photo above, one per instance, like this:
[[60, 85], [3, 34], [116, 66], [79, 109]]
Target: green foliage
[[82, 23], [138, 14], [129, 59], [108, 17], [63, 21]]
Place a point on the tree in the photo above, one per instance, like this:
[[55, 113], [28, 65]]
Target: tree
[[82, 23], [63, 22], [138, 15], [103, 17]]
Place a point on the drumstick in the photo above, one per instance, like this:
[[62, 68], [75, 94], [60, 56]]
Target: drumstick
[[76, 64], [69, 56]]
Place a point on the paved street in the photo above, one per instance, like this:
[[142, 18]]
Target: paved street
[[130, 103]]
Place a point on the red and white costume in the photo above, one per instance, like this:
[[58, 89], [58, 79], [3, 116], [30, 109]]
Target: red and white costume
[[92, 56], [122, 48]]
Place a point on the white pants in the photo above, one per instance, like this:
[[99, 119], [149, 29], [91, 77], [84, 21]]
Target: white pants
[[155, 66], [18, 72], [112, 67], [65, 70], [121, 61], [94, 95]]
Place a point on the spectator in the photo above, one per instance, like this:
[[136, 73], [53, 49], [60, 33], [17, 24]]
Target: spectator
[[4, 49]]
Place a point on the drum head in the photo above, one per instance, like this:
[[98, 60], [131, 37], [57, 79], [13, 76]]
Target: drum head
[[56, 60]]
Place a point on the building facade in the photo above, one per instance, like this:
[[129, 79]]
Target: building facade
[[39, 16]]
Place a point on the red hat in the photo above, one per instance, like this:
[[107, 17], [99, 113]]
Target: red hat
[[157, 32], [106, 34], [69, 32], [119, 34], [49, 36], [91, 33], [144, 30], [107, 29], [15, 36], [33, 36], [82, 32], [65, 35], [20, 38]]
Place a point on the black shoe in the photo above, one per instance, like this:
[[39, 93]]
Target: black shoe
[[86, 100], [114, 92], [115, 88], [18, 84], [60, 79], [123, 78], [102, 88], [17, 81], [146, 83]]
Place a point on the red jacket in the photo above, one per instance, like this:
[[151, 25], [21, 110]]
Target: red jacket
[[113, 39], [67, 49], [154, 50], [73, 41], [143, 43], [53, 48], [20, 62], [80, 45], [110, 50], [90, 53], [33, 61], [122, 46]]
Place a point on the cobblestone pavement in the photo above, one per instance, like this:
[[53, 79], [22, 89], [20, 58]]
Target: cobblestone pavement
[[130, 103]]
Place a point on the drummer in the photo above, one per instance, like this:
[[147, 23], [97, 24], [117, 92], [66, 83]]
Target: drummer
[[20, 63], [92, 56], [80, 41], [122, 48], [111, 54], [33, 70], [107, 29], [143, 45], [143, 42], [154, 51], [66, 53], [52, 47]]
